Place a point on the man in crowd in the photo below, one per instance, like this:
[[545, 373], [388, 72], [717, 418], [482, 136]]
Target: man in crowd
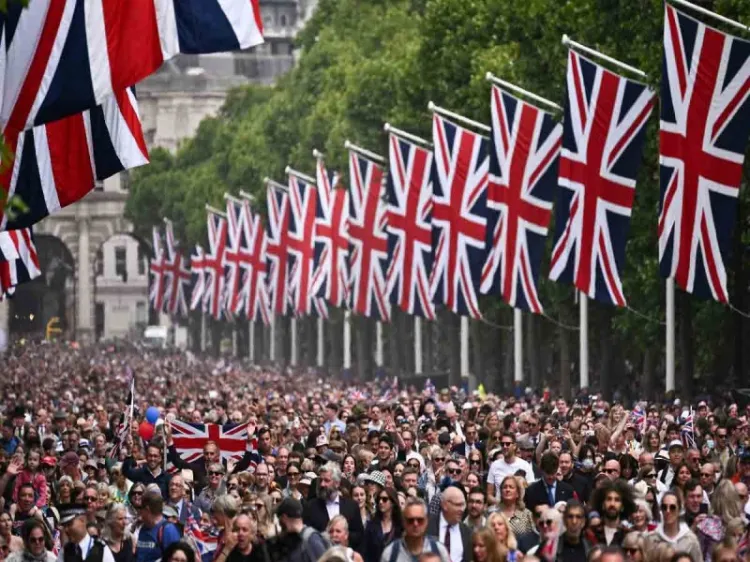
[[415, 543], [79, 545], [548, 490], [508, 465], [573, 545], [155, 534], [151, 473], [300, 542], [476, 517], [614, 502], [447, 525]]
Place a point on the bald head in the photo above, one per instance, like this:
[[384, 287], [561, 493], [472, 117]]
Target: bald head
[[453, 504]]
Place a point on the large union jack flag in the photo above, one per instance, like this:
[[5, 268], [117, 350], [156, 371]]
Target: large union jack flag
[[523, 168], [705, 118], [330, 279], [62, 57], [214, 265], [190, 438], [368, 241], [277, 250], [254, 284], [57, 164], [158, 273], [409, 191], [303, 202], [459, 216], [177, 276], [235, 258], [198, 271], [603, 133], [19, 261]]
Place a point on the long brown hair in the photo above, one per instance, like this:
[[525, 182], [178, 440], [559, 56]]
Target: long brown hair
[[495, 551]]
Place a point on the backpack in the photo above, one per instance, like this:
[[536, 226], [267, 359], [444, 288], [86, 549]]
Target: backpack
[[160, 534], [306, 535]]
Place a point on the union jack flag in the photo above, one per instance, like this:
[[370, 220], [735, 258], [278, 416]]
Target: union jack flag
[[603, 133], [688, 431], [330, 279], [459, 216], [57, 164], [213, 264], [409, 191], [197, 268], [704, 123], [158, 271], [303, 202], [190, 438], [368, 241], [205, 542], [177, 276], [19, 261], [277, 250], [638, 418], [254, 286], [235, 257], [60, 58], [523, 164]]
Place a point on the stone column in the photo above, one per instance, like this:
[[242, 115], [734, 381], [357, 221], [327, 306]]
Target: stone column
[[85, 288]]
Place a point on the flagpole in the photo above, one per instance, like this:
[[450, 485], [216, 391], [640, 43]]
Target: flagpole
[[203, 331], [521, 91], [388, 128], [364, 152], [272, 339], [251, 343], [711, 14], [347, 340], [669, 378], [234, 340], [417, 345], [379, 344], [458, 117], [568, 42], [292, 172], [583, 342], [464, 346], [293, 334], [321, 344], [517, 345]]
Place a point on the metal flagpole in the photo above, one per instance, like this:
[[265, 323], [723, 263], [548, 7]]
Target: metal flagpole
[[292, 172], [293, 334], [711, 14], [670, 381], [464, 346], [272, 340], [568, 42], [234, 340], [379, 344], [417, 345], [458, 117], [522, 91], [347, 340], [251, 342], [203, 331], [364, 152], [321, 345], [583, 342], [517, 345]]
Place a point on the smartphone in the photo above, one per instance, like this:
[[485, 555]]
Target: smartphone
[[703, 509]]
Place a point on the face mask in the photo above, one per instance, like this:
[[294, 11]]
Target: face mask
[[588, 463]]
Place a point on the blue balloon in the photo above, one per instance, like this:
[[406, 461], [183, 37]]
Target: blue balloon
[[152, 414]]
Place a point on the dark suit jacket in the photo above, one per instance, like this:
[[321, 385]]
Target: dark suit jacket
[[463, 450], [527, 541], [316, 516], [188, 509], [200, 476], [536, 494], [581, 485], [433, 528]]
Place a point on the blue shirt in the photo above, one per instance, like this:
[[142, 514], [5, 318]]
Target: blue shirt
[[10, 445], [149, 548]]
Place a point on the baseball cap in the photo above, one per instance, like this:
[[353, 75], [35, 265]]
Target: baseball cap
[[49, 461], [675, 443], [321, 440]]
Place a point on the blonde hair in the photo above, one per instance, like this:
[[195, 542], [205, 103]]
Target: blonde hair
[[725, 502], [519, 488], [511, 543], [496, 552]]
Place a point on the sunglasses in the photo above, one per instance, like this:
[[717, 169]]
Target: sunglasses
[[629, 551], [413, 520], [384, 499], [413, 465], [90, 499], [439, 459], [546, 522], [136, 493], [214, 473], [506, 444], [668, 507], [36, 540], [651, 475], [454, 471], [292, 474]]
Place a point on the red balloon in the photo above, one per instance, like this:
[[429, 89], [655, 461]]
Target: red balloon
[[146, 430]]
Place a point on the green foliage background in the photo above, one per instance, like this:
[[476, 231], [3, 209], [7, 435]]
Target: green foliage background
[[364, 63]]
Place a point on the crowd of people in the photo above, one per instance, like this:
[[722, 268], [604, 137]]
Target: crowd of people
[[355, 472]]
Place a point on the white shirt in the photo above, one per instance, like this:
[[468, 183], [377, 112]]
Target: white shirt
[[86, 543], [499, 469], [332, 507], [457, 545]]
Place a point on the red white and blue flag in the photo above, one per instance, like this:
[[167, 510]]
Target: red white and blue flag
[[19, 261], [190, 438], [331, 278], [603, 134], [459, 216], [277, 250], [198, 271], [368, 241], [60, 57], [303, 201], [235, 257], [525, 150], [157, 269], [59, 163], [257, 303], [177, 276], [409, 192], [214, 265], [705, 118]]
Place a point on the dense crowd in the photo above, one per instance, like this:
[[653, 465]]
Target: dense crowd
[[352, 472]]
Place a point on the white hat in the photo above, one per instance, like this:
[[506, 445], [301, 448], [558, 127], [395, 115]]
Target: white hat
[[321, 440]]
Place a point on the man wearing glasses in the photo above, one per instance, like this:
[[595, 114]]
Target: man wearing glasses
[[451, 476], [471, 443], [508, 465], [415, 541], [447, 525]]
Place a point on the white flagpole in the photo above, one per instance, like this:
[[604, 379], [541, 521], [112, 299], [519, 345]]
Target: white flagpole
[[417, 345], [583, 342], [379, 344], [464, 346], [670, 380], [251, 342], [203, 331], [517, 345], [293, 334], [234, 341], [321, 345], [347, 340], [272, 339]]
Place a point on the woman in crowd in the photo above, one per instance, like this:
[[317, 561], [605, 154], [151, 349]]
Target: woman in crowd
[[486, 548], [634, 547], [349, 468], [64, 490], [512, 507], [504, 535], [180, 551], [682, 476], [476, 464], [223, 512], [385, 526], [642, 518], [115, 533], [14, 543], [338, 531], [34, 539], [672, 530], [360, 498], [120, 485], [135, 501], [268, 524], [725, 506], [651, 441]]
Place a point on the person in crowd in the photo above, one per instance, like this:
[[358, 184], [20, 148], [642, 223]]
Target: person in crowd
[[485, 547], [116, 534], [614, 501], [504, 535], [415, 542], [508, 465], [573, 545], [13, 542], [155, 533], [150, 473], [179, 501], [180, 551], [672, 530], [385, 526], [476, 517], [32, 474], [299, 542], [338, 531], [548, 490], [246, 547], [448, 527], [35, 539], [550, 526], [79, 544], [214, 489], [634, 547], [725, 506], [641, 520]]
